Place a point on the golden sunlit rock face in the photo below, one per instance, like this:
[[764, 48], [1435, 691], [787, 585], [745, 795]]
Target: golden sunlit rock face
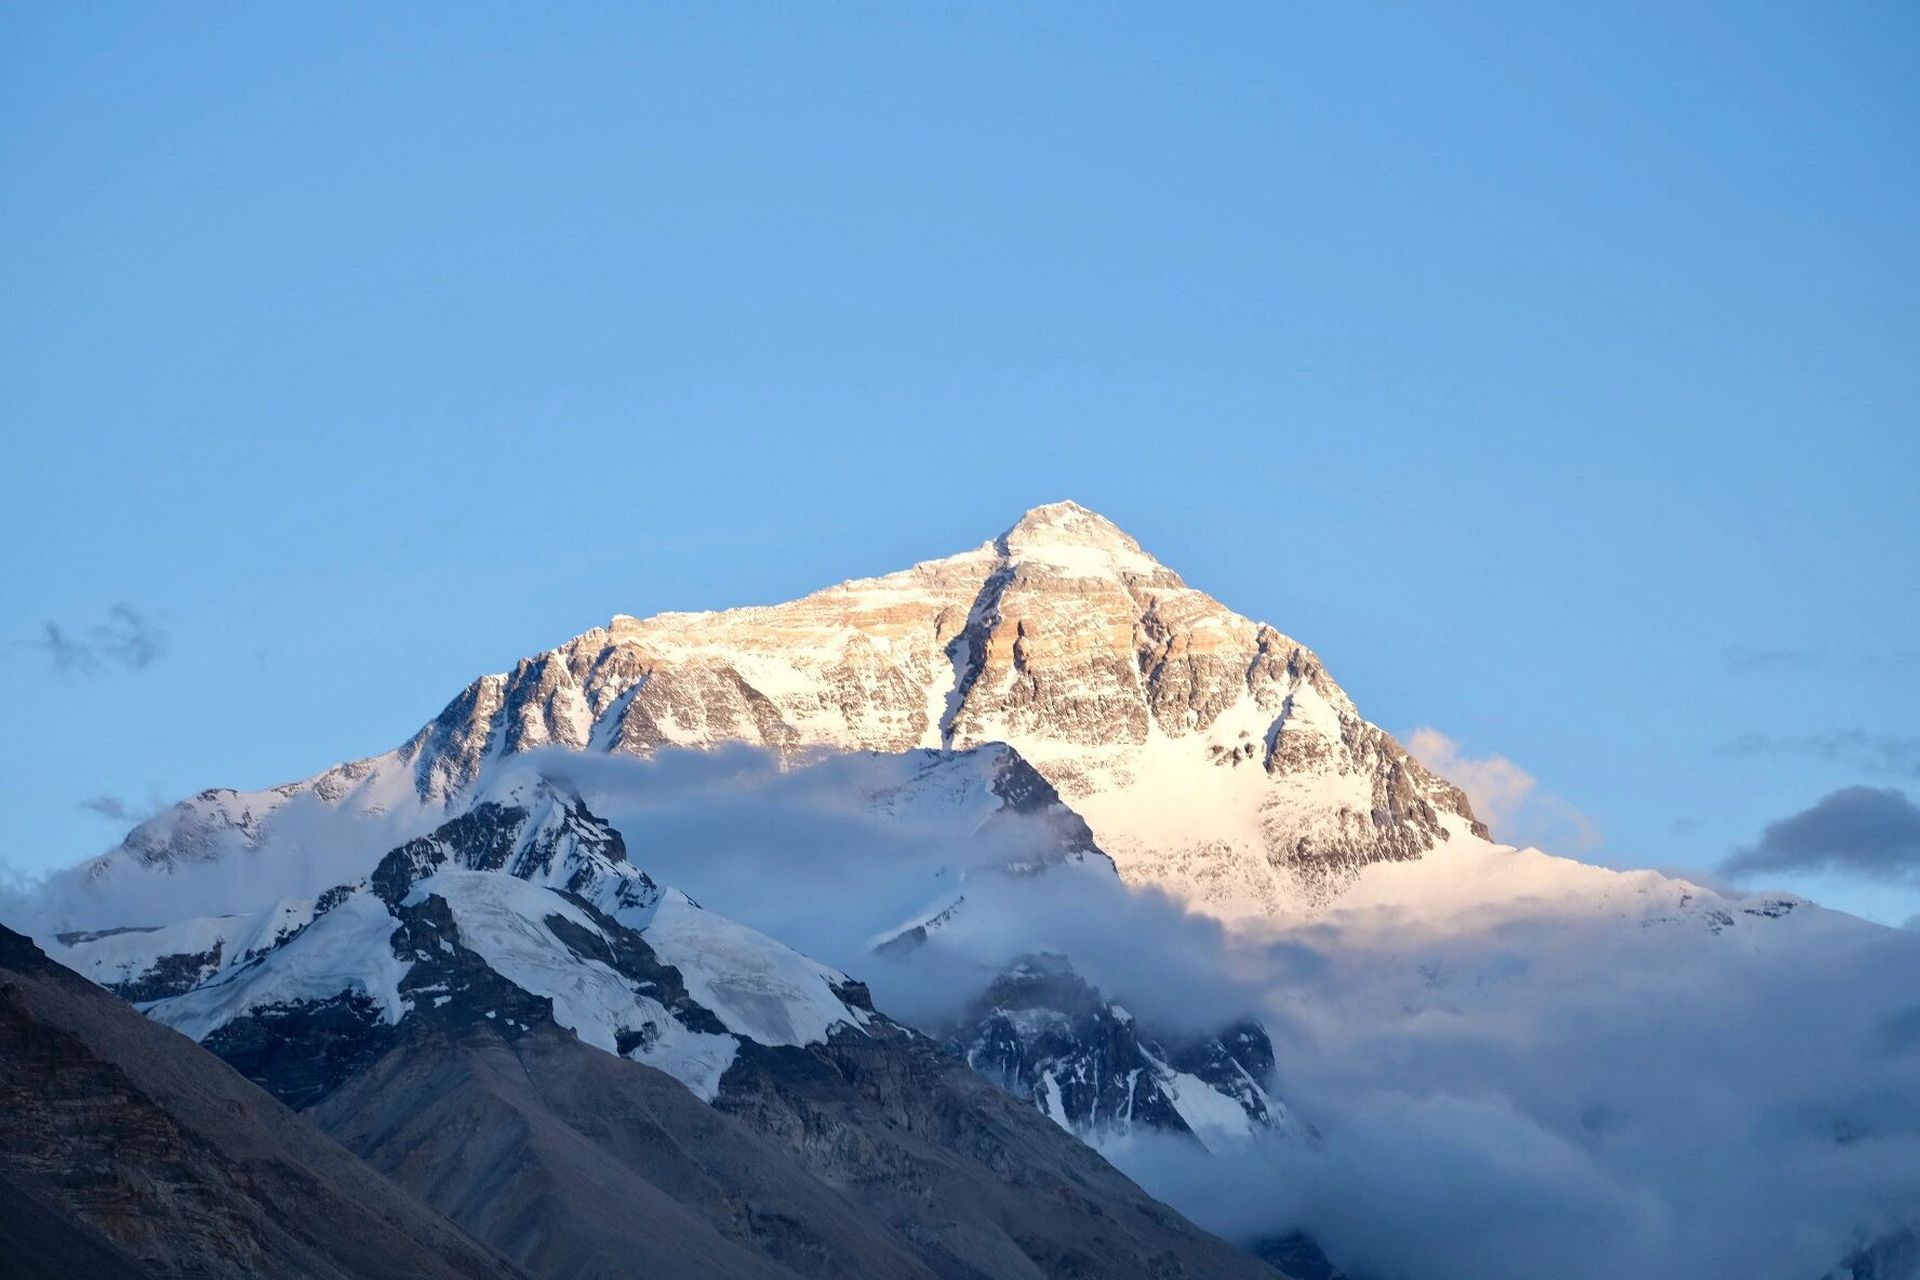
[[1210, 753]]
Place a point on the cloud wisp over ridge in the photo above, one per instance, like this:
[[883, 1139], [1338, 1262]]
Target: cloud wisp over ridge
[[1506, 797], [121, 809]]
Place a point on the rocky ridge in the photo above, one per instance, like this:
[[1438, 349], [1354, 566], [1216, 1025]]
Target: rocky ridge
[[1044, 1034]]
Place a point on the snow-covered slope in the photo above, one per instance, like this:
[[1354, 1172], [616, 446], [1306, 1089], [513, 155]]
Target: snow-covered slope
[[528, 874], [526, 902], [1211, 754]]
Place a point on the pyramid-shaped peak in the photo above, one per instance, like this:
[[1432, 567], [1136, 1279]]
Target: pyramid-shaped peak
[[1068, 527]]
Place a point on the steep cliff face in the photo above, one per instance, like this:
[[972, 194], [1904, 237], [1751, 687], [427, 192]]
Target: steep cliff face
[[1211, 754], [127, 1150], [981, 1183], [1042, 1033]]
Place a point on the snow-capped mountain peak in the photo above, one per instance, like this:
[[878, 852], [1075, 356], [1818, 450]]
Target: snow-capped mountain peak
[[1212, 755], [1071, 538], [963, 750]]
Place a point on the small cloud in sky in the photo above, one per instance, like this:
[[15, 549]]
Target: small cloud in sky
[[1760, 660], [1764, 659], [128, 639], [1506, 797], [1893, 754], [1870, 832], [68, 654], [119, 809]]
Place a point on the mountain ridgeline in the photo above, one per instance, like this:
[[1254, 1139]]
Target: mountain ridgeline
[[854, 936], [1126, 689]]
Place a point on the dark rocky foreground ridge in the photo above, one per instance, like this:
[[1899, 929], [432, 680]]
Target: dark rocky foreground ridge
[[871, 1154], [127, 1151]]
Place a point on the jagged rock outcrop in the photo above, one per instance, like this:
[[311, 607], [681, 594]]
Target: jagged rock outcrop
[[1045, 1035], [524, 910], [981, 1183]]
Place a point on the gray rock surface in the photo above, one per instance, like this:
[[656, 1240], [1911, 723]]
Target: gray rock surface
[[1045, 1035], [869, 1157]]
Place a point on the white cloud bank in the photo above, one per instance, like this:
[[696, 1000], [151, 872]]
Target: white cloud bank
[[1502, 1095]]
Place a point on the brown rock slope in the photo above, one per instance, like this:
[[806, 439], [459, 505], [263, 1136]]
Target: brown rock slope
[[875, 1156], [126, 1150]]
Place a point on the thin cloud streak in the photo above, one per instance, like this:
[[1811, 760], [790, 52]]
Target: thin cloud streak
[[1760, 660], [1892, 754], [120, 809]]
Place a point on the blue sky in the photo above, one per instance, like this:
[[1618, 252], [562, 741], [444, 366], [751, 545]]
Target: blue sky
[[1550, 369]]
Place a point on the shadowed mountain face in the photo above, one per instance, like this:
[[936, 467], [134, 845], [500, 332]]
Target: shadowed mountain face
[[579, 1163], [128, 1151], [1042, 1033], [868, 1156]]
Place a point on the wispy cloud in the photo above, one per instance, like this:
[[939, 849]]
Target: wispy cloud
[[1741, 660], [1871, 832], [127, 639], [1597, 1100], [130, 638], [1893, 754], [1765, 659], [119, 809], [1505, 796], [65, 652]]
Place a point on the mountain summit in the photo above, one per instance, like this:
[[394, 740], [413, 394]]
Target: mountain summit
[[1211, 754], [1067, 533], [928, 779]]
